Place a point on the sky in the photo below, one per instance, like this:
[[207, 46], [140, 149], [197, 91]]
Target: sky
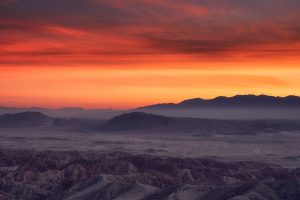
[[128, 53]]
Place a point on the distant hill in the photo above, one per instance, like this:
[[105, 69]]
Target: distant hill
[[243, 101], [236, 107], [137, 121], [38, 119], [66, 112], [25, 119]]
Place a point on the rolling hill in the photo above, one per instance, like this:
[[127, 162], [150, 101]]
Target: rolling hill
[[151, 122]]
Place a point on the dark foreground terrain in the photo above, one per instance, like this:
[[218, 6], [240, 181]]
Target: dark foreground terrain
[[74, 175]]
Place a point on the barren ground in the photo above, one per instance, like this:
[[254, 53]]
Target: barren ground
[[282, 148]]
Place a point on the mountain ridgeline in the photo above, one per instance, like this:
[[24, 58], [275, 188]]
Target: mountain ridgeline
[[242, 101], [242, 114], [236, 107]]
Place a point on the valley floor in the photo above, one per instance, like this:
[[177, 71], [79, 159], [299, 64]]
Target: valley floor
[[281, 148]]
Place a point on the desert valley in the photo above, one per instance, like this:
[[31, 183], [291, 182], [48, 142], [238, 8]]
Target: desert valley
[[140, 155], [149, 99]]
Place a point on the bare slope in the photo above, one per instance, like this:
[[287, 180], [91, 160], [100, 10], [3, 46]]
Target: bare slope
[[50, 175], [145, 121]]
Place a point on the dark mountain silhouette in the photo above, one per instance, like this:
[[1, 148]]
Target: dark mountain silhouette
[[235, 101], [38, 119], [25, 119], [136, 121], [66, 112], [145, 121], [255, 107]]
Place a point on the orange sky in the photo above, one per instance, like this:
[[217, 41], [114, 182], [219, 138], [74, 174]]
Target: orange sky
[[123, 54]]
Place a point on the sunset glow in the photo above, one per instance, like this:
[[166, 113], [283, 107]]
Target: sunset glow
[[128, 53]]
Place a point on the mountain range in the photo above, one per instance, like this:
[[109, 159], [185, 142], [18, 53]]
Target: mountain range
[[236, 107], [242, 101], [145, 122]]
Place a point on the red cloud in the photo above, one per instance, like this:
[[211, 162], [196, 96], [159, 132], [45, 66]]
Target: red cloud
[[102, 31]]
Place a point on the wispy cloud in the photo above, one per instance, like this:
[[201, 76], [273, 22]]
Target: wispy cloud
[[5, 2]]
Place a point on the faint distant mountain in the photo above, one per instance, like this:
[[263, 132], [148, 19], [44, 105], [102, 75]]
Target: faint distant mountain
[[242, 101], [67, 112], [144, 121], [25, 119], [38, 119], [136, 121]]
